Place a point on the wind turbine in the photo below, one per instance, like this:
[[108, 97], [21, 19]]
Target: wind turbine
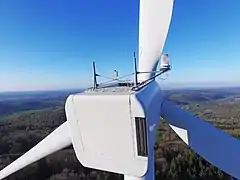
[[114, 130]]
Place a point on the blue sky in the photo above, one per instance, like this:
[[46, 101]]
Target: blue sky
[[50, 44]]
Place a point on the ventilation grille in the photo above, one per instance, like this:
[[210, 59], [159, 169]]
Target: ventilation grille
[[141, 133]]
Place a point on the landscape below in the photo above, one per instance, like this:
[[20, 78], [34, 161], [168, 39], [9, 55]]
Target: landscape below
[[26, 118]]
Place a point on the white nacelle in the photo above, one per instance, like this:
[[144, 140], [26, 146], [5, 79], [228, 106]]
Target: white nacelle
[[108, 132]]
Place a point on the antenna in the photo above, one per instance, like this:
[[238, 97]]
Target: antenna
[[135, 69], [94, 76]]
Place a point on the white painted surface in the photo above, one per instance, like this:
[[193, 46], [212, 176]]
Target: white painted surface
[[103, 132], [154, 21], [55, 141], [182, 133]]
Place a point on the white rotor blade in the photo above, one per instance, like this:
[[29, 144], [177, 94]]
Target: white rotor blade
[[55, 141], [214, 145], [154, 21]]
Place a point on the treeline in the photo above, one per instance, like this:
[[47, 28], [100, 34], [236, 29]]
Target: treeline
[[176, 165], [185, 164]]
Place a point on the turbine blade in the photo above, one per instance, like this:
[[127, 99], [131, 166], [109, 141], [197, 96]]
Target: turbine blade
[[55, 141], [214, 145], [154, 22]]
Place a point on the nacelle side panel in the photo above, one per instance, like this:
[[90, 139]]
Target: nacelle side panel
[[103, 132]]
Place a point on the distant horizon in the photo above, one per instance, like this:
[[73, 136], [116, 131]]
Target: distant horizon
[[186, 87]]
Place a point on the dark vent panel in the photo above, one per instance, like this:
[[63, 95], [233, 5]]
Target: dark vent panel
[[141, 133]]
